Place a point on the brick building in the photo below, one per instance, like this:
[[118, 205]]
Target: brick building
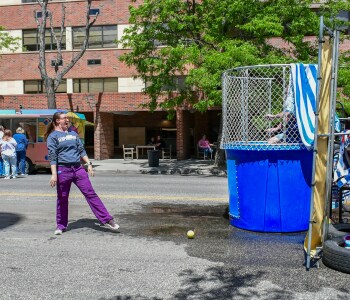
[[99, 85]]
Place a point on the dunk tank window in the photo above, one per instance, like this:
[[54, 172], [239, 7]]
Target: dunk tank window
[[42, 125], [5, 123], [29, 126]]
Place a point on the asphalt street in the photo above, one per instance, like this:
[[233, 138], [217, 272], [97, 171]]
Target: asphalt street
[[150, 257]]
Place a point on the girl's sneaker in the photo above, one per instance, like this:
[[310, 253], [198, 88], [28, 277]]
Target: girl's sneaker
[[60, 231], [112, 225], [7, 177]]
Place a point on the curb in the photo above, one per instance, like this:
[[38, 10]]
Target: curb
[[184, 171], [173, 171]]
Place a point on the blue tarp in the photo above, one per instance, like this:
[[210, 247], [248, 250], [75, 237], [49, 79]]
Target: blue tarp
[[48, 112], [81, 116], [7, 112]]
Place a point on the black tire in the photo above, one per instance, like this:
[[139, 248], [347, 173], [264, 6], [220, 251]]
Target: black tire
[[29, 166], [338, 230], [335, 256]]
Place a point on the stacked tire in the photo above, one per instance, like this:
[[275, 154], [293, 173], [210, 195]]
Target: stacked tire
[[335, 255]]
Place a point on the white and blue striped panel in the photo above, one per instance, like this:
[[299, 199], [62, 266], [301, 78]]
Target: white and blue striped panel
[[304, 79], [341, 174]]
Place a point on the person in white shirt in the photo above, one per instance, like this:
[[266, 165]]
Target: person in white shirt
[[1, 161], [8, 153]]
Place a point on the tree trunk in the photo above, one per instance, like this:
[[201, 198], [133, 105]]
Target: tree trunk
[[50, 93], [220, 158]]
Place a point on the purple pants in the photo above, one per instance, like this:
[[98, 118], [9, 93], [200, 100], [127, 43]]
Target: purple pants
[[77, 175]]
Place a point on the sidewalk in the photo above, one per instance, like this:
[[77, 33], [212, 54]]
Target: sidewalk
[[166, 167]]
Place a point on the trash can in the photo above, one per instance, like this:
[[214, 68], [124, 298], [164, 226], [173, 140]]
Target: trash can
[[269, 171], [153, 158]]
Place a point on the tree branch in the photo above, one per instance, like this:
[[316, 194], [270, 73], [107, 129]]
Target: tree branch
[[41, 23], [74, 60], [51, 84], [58, 41]]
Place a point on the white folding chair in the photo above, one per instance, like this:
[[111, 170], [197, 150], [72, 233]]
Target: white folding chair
[[128, 152], [166, 152]]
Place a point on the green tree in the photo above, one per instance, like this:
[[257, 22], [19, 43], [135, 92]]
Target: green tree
[[334, 21], [201, 39], [7, 41]]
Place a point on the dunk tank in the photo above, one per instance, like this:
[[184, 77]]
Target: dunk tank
[[269, 168]]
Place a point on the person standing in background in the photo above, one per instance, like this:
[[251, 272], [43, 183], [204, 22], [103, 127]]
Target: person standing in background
[[160, 143], [2, 171], [152, 141], [22, 144], [8, 154]]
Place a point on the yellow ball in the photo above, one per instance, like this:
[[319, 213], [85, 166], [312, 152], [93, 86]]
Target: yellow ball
[[190, 234]]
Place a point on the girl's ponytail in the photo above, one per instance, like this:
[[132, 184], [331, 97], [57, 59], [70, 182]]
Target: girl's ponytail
[[51, 126], [49, 129]]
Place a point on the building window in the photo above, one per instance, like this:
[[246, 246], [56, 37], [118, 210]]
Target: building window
[[94, 11], [33, 87], [91, 62], [159, 32], [100, 37], [38, 87], [31, 39], [95, 85], [36, 1], [178, 84], [53, 62], [39, 14]]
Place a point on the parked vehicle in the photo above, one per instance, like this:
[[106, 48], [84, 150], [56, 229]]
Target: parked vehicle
[[34, 123]]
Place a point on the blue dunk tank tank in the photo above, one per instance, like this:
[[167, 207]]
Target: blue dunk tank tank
[[269, 168]]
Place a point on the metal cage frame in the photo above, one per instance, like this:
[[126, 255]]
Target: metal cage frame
[[257, 112]]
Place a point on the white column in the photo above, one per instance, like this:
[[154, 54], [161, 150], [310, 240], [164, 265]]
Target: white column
[[69, 85], [69, 38]]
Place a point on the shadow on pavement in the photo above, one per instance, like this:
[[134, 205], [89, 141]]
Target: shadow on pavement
[[224, 283], [88, 223], [221, 282], [127, 297], [8, 219]]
